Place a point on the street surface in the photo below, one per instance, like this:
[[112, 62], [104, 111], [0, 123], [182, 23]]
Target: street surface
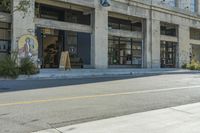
[[28, 106]]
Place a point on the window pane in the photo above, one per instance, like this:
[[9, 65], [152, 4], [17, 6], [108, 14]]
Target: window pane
[[168, 29], [192, 5], [195, 34], [5, 36]]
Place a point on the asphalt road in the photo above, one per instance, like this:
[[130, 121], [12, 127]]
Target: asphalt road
[[27, 106]]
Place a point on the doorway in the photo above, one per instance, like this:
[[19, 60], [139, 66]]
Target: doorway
[[168, 54], [52, 42], [51, 48]]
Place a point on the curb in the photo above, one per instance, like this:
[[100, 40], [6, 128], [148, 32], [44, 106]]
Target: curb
[[98, 75]]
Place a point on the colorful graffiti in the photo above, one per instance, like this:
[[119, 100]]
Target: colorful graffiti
[[28, 47]]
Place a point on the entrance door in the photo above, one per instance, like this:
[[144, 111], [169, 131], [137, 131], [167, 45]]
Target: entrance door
[[168, 54], [52, 46]]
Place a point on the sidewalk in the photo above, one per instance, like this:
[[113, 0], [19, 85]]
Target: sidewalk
[[84, 73], [182, 119]]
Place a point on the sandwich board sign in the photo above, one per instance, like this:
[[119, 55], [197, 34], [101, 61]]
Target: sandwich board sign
[[65, 61]]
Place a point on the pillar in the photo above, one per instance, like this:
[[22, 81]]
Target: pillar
[[100, 36], [184, 45], [147, 43], [155, 42], [22, 24]]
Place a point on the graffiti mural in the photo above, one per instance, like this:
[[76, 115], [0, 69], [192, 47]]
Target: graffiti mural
[[28, 47]]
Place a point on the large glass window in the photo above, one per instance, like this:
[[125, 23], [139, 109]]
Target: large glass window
[[61, 14], [115, 23], [168, 29], [5, 36], [125, 51], [53, 42]]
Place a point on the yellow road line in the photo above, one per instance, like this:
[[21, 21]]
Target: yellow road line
[[93, 96], [62, 99]]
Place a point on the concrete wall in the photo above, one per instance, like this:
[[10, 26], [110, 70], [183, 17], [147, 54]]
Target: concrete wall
[[184, 45]]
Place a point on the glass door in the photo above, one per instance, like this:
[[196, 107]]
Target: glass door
[[52, 46], [168, 54]]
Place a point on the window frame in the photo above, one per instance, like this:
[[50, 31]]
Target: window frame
[[8, 29]]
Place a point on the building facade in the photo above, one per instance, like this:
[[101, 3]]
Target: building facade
[[128, 33]]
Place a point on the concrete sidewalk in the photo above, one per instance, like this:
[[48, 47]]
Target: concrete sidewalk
[[182, 119], [85, 73]]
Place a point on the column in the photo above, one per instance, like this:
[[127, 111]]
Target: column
[[100, 37], [22, 24], [147, 43], [155, 42], [184, 45]]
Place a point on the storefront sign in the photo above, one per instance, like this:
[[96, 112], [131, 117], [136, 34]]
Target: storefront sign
[[28, 47], [65, 61], [48, 31]]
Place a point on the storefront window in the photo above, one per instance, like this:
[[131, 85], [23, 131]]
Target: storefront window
[[61, 14], [5, 36], [115, 23], [168, 29], [53, 42], [125, 51]]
